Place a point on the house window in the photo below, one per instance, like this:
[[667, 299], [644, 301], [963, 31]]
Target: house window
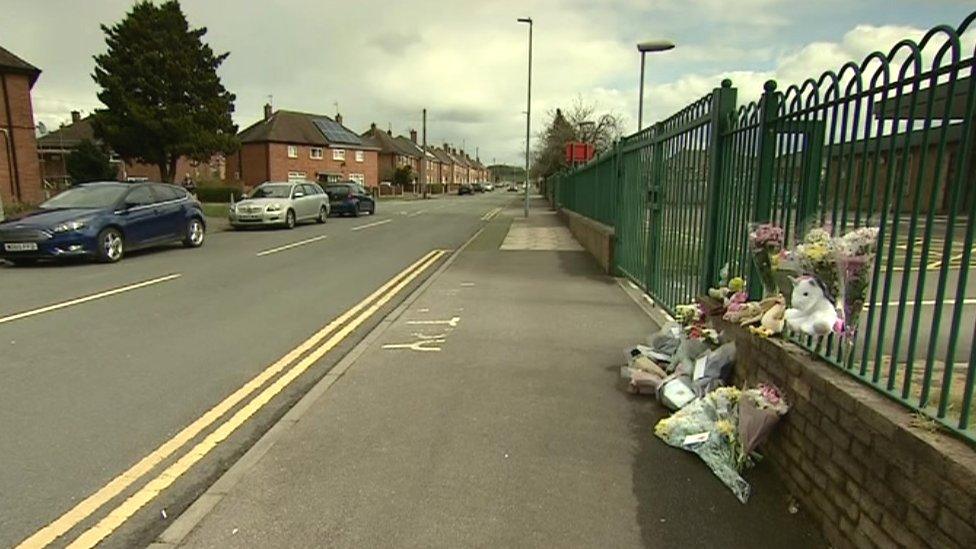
[[358, 178], [296, 176], [315, 153], [338, 154], [292, 151], [360, 156]]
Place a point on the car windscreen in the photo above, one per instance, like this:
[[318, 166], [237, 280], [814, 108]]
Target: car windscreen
[[96, 196], [272, 191], [337, 191]]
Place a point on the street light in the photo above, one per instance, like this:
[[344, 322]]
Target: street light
[[528, 114], [651, 46]]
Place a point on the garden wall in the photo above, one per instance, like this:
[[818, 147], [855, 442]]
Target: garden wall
[[594, 236], [854, 460]]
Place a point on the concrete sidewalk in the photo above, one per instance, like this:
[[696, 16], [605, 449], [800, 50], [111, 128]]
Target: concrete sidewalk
[[490, 413]]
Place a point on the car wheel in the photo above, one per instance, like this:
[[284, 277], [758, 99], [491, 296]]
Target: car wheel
[[290, 219], [372, 209], [323, 215], [355, 210], [111, 246], [194, 233]]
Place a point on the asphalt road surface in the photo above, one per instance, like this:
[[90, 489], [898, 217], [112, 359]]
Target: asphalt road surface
[[104, 368]]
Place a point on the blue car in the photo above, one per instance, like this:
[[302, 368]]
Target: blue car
[[102, 221], [349, 197]]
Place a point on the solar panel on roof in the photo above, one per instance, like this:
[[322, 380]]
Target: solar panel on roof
[[335, 133]]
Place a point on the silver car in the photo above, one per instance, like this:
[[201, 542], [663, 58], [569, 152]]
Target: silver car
[[281, 204]]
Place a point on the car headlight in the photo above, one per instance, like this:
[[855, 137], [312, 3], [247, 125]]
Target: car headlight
[[273, 208], [69, 226]]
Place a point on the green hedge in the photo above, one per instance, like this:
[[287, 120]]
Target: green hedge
[[217, 194]]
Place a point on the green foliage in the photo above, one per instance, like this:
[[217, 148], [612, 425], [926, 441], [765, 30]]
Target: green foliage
[[403, 175], [505, 173], [217, 194], [161, 91], [90, 162]]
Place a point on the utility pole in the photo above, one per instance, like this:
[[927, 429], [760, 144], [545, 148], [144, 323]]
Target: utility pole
[[423, 160]]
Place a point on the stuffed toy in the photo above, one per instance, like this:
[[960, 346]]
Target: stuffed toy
[[812, 311]]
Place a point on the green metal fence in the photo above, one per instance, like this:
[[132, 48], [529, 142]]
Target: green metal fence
[[888, 142]]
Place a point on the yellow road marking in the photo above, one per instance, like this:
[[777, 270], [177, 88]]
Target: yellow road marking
[[154, 487], [120, 483], [490, 214], [292, 245], [86, 299], [368, 225]]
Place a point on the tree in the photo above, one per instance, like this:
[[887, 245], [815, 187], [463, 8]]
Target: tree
[[162, 96], [403, 175], [581, 124], [90, 162]]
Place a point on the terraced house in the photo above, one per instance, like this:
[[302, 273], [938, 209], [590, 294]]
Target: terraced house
[[20, 179], [289, 145]]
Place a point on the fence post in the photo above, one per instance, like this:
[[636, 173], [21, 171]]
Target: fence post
[[653, 220], [722, 109], [765, 176]]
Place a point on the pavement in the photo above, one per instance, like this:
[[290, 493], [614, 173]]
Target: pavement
[[112, 373], [487, 410]]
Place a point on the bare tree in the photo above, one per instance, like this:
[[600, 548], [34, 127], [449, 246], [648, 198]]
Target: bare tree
[[581, 124]]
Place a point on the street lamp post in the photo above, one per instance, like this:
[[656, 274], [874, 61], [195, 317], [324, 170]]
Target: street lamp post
[[528, 114], [645, 47]]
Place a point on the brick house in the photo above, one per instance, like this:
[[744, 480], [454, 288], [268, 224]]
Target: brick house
[[53, 149], [417, 155], [20, 179], [445, 166], [392, 152], [289, 145]]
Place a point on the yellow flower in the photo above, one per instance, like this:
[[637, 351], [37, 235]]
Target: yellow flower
[[663, 428], [725, 428], [815, 252], [737, 284], [729, 393]]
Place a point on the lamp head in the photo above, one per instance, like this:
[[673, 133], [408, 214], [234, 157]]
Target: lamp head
[[525, 20], [655, 45]]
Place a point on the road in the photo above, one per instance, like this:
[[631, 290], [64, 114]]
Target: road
[[103, 365]]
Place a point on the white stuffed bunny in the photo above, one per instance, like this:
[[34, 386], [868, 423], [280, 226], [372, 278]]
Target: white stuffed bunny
[[812, 312]]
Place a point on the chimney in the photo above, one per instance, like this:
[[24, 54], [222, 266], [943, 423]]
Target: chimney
[[413, 136], [75, 117], [267, 111], [372, 127], [338, 118]]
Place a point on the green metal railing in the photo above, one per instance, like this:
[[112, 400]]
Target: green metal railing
[[889, 143]]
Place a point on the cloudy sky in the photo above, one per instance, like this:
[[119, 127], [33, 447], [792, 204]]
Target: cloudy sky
[[465, 60]]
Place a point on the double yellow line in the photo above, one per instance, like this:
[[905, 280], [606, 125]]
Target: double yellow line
[[310, 351], [490, 214]]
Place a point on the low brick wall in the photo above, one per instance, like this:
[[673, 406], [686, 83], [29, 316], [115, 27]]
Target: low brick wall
[[594, 236], [852, 459]]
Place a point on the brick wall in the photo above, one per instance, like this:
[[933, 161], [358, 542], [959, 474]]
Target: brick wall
[[852, 458], [281, 164], [19, 154]]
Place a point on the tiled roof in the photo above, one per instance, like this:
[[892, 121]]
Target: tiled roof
[[11, 63], [408, 147], [67, 137], [299, 128], [379, 138], [442, 155]]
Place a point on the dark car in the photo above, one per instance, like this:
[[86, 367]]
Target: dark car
[[478, 188], [102, 221], [350, 197], [465, 189]]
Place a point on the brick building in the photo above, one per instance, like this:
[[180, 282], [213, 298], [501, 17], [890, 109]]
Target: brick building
[[289, 145], [392, 152], [445, 166], [20, 180], [54, 148], [418, 155]]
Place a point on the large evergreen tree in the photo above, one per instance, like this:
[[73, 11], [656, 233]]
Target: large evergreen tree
[[162, 96]]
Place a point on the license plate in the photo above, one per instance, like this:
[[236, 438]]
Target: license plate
[[20, 247]]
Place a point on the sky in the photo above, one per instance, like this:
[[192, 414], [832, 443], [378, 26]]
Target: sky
[[465, 61]]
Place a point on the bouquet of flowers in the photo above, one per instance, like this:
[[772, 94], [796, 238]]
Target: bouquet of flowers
[[855, 253], [707, 427], [692, 319], [765, 244], [816, 256], [759, 411]]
